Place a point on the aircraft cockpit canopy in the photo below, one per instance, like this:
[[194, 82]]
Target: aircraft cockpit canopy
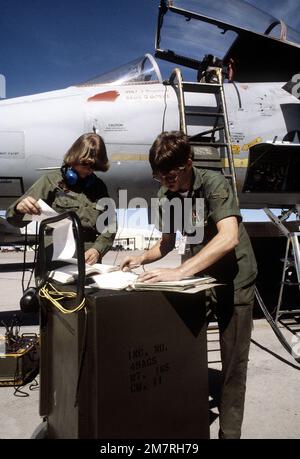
[[260, 46], [141, 70]]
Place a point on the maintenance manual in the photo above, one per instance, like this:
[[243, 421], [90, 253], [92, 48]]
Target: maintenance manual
[[112, 278]]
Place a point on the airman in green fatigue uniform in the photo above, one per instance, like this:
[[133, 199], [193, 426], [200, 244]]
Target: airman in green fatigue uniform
[[73, 188], [224, 252]]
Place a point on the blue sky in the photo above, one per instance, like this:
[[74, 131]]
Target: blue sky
[[52, 44]]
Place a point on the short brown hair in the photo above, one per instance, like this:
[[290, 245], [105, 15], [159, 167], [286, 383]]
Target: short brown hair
[[88, 147], [169, 151]]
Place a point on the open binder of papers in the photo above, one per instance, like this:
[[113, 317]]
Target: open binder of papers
[[110, 277], [120, 280]]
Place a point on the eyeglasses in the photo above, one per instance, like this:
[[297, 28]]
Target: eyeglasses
[[170, 177]]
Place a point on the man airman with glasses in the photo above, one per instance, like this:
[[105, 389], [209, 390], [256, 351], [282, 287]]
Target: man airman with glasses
[[225, 253]]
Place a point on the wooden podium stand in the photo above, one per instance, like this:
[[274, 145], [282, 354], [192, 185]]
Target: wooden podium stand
[[144, 370]]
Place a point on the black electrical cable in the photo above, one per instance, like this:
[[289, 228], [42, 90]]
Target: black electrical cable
[[24, 258], [35, 254], [82, 355], [17, 391]]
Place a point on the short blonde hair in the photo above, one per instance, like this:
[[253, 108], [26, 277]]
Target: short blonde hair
[[88, 148]]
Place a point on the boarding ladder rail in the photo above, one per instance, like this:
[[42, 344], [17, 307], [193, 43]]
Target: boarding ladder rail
[[208, 152], [176, 82]]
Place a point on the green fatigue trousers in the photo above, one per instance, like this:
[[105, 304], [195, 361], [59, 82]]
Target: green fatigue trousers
[[233, 310]]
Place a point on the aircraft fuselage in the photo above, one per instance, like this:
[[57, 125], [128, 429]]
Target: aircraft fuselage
[[37, 130]]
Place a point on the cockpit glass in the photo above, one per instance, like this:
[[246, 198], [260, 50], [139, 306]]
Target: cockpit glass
[[140, 70], [194, 38], [293, 35], [236, 12]]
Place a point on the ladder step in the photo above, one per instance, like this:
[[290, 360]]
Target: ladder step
[[204, 139], [204, 88], [189, 113]]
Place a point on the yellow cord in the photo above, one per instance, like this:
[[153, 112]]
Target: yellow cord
[[55, 296]]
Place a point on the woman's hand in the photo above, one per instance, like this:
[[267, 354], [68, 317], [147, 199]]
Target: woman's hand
[[131, 262], [29, 206], [162, 274], [92, 256]]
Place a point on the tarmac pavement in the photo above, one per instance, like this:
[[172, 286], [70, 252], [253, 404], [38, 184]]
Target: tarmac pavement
[[272, 409]]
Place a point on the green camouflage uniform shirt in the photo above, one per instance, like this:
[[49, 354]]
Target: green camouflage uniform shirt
[[239, 265]]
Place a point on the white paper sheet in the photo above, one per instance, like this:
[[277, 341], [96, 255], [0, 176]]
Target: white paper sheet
[[117, 280], [63, 238], [63, 241], [46, 212]]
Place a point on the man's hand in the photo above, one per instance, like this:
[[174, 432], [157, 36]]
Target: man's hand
[[92, 256], [131, 262], [29, 206], [163, 274]]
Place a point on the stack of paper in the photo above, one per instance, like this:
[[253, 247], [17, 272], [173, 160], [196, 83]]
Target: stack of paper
[[189, 285]]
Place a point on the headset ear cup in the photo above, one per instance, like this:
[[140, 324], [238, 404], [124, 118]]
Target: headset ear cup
[[70, 176]]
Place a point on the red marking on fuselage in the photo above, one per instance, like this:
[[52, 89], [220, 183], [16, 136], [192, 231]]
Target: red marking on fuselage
[[107, 96]]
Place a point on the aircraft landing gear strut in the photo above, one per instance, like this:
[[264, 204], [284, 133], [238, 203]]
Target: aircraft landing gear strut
[[290, 261]]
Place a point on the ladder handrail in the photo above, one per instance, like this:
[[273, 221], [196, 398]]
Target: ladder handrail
[[294, 237], [277, 221], [176, 75], [227, 134]]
